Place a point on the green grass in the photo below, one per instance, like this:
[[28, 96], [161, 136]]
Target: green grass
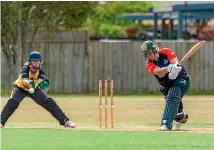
[[52, 139], [29, 127]]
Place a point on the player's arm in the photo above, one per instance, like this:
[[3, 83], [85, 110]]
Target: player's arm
[[173, 68], [164, 70], [43, 80], [160, 71], [155, 70], [25, 76], [172, 59], [26, 82], [41, 76]]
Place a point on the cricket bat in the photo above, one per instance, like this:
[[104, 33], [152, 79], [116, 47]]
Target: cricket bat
[[191, 52]]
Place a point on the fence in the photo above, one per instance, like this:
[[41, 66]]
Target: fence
[[122, 62], [75, 67], [65, 61]]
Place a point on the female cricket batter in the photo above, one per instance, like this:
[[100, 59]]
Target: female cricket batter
[[174, 79], [31, 82]]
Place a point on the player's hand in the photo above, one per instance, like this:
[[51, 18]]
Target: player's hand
[[172, 75], [175, 68], [174, 71], [26, 82], [31, 83], [45, 84], [169, 68]]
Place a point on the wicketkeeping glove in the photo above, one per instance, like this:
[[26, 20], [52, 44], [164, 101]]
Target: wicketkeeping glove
[[31, 82], [45, 84]]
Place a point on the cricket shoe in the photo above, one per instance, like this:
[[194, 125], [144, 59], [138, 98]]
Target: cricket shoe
[[177, 126], [163, 128], [2, 126], [69, 124]]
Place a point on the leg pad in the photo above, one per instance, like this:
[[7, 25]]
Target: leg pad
[[173, 100]]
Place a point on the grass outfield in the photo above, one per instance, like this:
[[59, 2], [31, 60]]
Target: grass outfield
[[136, 121], [129, 110], [44, 139]]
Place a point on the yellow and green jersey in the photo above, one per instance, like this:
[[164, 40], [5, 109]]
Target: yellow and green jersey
[[26, 73]]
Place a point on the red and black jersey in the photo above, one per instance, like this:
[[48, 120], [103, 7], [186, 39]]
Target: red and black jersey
[[165, 56]]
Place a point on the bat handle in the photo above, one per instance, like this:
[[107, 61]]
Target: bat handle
[[179, 63]]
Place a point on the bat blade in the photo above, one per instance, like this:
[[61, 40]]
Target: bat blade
[[191, 52]]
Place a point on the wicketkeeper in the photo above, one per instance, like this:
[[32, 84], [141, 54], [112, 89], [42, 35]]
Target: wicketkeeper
[[174, 79], [31, 82]]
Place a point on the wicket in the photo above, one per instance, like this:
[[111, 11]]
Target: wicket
[[106, 102]]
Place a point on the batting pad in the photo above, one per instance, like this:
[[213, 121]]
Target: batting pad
[[171, 107]]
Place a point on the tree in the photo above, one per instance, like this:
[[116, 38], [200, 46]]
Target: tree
[[19, 17], [104, 21]]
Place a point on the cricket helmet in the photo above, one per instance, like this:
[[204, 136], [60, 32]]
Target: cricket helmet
[[147, 46], [34, 56]]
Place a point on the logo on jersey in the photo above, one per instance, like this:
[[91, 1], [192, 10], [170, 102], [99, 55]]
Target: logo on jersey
[[165, 61]]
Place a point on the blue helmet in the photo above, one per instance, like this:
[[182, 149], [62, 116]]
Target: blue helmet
[[34, 56]]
